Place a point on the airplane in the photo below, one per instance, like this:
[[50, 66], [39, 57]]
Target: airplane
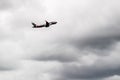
[[47, 24]]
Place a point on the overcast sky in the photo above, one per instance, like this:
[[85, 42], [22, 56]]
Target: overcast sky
[[83, 45]]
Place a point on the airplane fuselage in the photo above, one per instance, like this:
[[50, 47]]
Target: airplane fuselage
[[44, 25]]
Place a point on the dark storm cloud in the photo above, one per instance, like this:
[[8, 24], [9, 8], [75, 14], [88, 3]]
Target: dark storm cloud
[[90, 72], [103, 67], [56, 57], [100, 39], [104, 41], [60, 53]]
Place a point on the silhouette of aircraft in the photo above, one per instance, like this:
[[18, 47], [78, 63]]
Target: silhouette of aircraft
[[47, 24]]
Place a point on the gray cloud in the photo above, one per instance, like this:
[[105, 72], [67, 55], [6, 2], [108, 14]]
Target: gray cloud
[[86, 29], [102, 67], [95, 31], [10, 4], [5, 66], [90, 72], [4, 4], [100, 40], [8, 65], [9, 58], [59, 53]]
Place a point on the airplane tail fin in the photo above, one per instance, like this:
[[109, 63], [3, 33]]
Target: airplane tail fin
[[34, 25]]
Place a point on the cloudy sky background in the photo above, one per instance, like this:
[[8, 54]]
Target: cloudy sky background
[[84, 45]]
